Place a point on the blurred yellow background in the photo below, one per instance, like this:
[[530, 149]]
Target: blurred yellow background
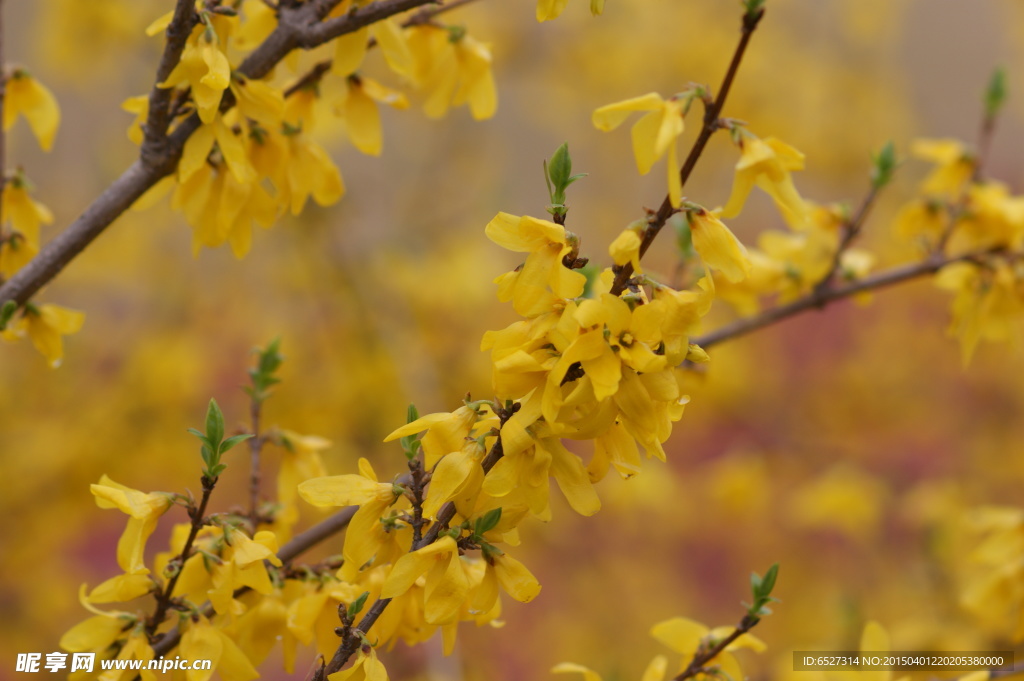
[[845, 445]]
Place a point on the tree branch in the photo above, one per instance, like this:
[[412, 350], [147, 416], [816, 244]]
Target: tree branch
[[711, 124], [159, 119], [297, 27], [818, 299]]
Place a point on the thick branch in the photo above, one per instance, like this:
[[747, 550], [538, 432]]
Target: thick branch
[[818, 299], [297, 27], [159, 119]]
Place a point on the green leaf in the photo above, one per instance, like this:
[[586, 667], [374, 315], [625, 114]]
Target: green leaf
[[560, 167], [768, 582], [6, 312], [357, 605], [214, 424], [487, 521], [232, 441], [883, 166], [995, 93]]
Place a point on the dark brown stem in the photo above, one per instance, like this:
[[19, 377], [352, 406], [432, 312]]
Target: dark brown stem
[[154, 146], [712, 114], [703, 657], [850, 230], [256, 443], [444, 516], [298, 27], [418, 480], [164, 599], [820, 298]]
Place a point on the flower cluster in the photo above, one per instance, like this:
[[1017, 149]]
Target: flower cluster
[[250, 163]]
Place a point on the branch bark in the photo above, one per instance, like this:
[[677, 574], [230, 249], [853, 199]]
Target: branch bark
[[818, 299], [298, 27]]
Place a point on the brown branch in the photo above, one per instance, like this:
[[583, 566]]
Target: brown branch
[[445, 514], [703, 657], [159, 119], [711, 124], [818, 299], [298, 27], [850, 230], [165, 599], [256, 443]]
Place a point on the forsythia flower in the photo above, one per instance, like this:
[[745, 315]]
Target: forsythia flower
[[717, 246], [552, 9], [547, 243], [954, 165], [366, 533], [358, 110], [29, 98], [143, 511], [988, 302], [366, 668], [204, 66], [767, 163], [454, 69], [46, 325], [654, 134], [686, 637]]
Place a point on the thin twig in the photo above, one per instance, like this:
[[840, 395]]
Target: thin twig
[[818, 299], [165, 598], [702, 657], [445, 515], [256, 443], [712, 113], [851, 228]]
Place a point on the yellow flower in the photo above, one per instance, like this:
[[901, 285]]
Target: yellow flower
[[453, 69], [552, 9], [717, 246], [45, 325], [260, 20], [359, 111], [446, 584], [365, 532], [204, 68], [626, 247], [366, 668], [572, 667], [143, 510], [987, 305], [767, 163], [686, 637], [24, 213], [954, 165], [446, 432], [654, 134], [29, 98], [301, 462], [543, 281], [204, 641], [457, 477]]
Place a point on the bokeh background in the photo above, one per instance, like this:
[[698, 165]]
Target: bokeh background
[[848, 444]]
